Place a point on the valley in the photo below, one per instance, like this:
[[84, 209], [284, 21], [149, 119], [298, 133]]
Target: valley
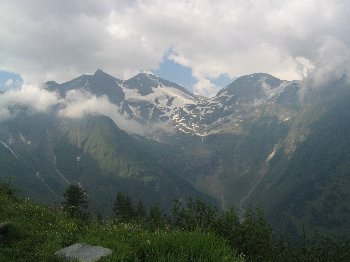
[[257, 143]]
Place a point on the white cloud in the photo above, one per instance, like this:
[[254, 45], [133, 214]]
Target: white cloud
[[76, 104], [32, 98], [333, 61], [58, 40], [79, 103]]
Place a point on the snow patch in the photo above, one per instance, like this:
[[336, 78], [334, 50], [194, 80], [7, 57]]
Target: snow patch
[[58, 172], [24, 140], [9, 148], [37, 174], [272, 154]]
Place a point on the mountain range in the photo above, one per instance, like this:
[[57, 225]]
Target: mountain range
[[260, 142]]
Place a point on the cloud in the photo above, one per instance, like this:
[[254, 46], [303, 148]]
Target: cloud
[[57, 40], [76, 104], [31, 98], [81, 103], [333, 61]]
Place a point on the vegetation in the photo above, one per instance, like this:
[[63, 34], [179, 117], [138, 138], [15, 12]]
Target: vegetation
[[76, 202], [192, 231], [37, 232]]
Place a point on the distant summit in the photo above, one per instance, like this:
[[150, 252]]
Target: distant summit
[[149, 99]]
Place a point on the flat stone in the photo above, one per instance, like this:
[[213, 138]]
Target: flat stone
[[83, 253]]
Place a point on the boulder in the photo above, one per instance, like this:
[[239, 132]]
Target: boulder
[[83, 253]]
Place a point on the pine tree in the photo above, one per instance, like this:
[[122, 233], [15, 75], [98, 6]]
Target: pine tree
[[156, 218], [193, 214], [76, 201], [140, 211], [124, 209]]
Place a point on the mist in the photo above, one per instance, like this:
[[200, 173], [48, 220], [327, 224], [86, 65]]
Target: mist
[[76, 104]]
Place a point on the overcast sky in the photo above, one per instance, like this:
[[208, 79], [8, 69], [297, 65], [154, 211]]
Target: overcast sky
[[202, 42]]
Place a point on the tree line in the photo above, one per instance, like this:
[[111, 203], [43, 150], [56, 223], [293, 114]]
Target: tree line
[[251, 236]]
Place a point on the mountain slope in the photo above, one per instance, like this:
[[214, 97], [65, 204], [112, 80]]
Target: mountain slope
[[144, 97], [261, 141], [151, 100], [307, 182], [45, 158], [245, 100]]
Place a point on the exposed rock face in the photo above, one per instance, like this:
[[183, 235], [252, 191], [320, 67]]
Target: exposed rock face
[[83, 253]]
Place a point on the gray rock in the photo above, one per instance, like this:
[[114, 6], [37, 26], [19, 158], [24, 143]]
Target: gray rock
[[83, 253]]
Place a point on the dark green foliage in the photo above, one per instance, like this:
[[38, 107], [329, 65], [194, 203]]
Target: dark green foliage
[[311, 248], [156, 218], [252, 236], [228, 226], [36, 233], [140, 211], [193, 214], [6, 189], [124, 209], [76, 202], [255, 237]]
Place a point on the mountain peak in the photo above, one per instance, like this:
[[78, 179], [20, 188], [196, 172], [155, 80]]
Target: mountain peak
[[257, 77], [101, 73], [144, 76], [145, 81], [250, 84]]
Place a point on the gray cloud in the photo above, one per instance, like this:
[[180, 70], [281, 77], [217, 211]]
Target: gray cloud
[[33, 98], [76, 104], [45, 40], [79, 103]]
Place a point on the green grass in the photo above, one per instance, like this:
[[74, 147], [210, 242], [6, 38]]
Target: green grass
[[37, 232]]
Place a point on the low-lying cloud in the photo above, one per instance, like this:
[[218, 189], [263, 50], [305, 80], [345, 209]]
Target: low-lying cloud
[[76, 104], [79, 103], [31, 98]]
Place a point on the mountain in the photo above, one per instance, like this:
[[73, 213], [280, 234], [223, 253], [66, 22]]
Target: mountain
[[98, 84], [149, 99], [260, 142], [144, 97], [244, 100], [307, 180], [44, 154]]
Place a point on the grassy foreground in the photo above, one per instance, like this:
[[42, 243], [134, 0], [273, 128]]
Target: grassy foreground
[[36, 233]]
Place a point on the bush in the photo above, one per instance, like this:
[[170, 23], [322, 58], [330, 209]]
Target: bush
[[6, 189], [192, 215]]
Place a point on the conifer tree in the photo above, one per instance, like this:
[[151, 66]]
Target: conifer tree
[[156, 218], [76, 201], [124, 209], [140, 211]]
